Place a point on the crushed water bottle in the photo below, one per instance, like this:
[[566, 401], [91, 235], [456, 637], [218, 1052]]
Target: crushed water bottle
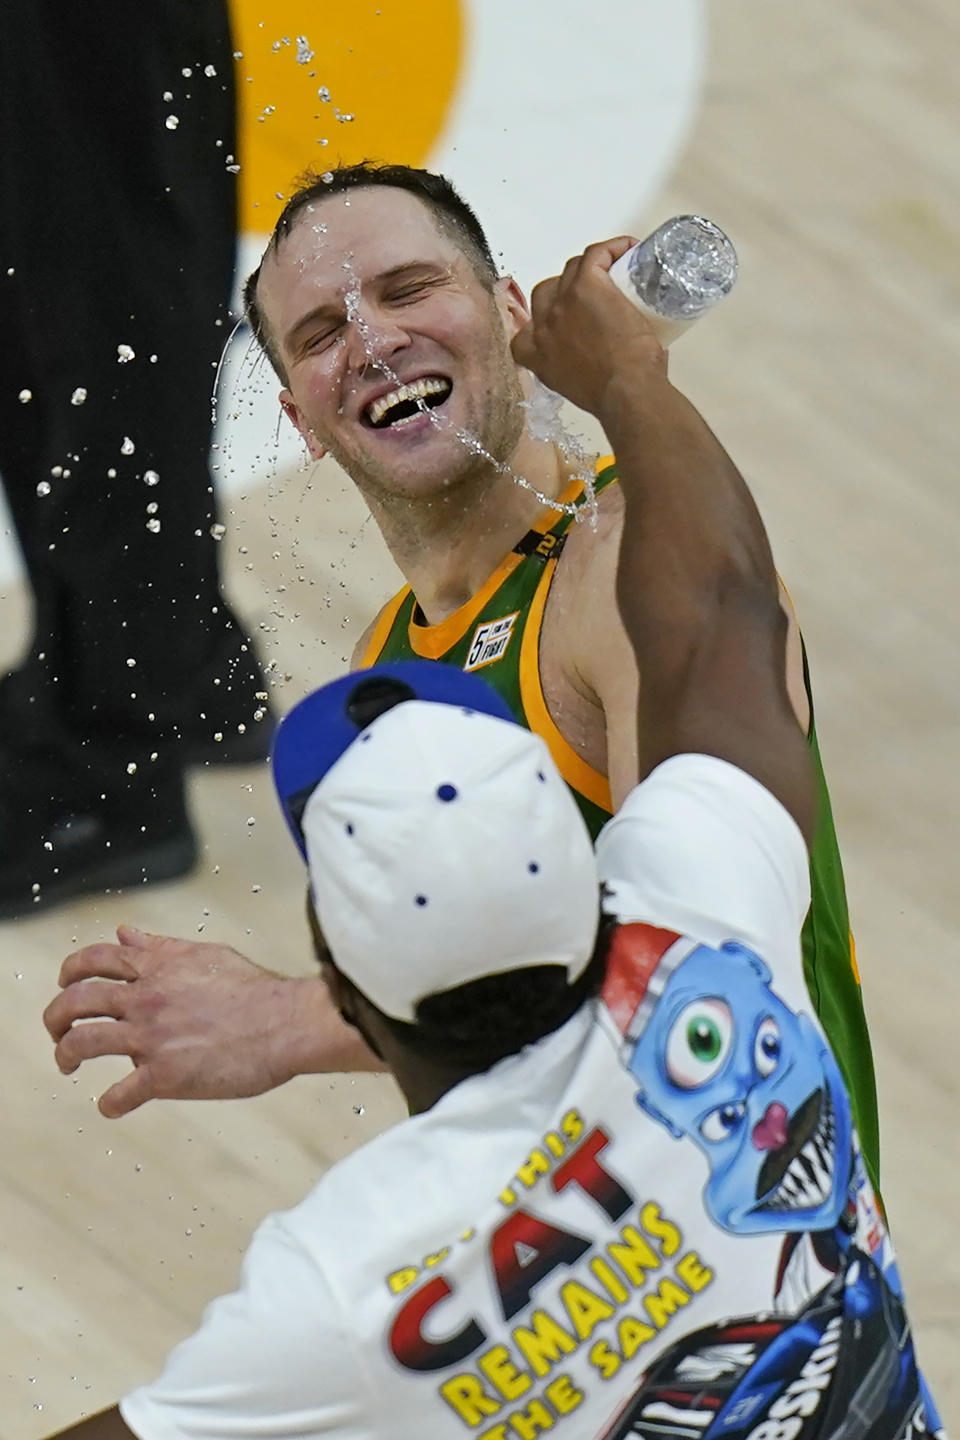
[[677, 274]]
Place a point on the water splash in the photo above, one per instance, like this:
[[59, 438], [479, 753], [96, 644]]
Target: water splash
[[567, 443]]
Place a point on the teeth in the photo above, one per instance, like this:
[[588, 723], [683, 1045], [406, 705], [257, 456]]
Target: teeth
[[417, 390], [816, 1169], [809, 1179], [805, 1183]]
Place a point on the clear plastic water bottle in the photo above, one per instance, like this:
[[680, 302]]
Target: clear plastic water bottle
[[678, 273]]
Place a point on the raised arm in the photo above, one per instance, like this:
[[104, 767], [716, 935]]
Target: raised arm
[[706, 623]]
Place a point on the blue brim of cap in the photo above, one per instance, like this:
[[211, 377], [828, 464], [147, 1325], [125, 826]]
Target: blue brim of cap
[[311, 739]]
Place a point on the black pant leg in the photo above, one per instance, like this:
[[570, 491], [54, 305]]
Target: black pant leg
[[123, 235]]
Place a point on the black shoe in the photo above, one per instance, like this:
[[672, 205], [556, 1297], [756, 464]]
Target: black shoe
[[90, 855], [58, 841]]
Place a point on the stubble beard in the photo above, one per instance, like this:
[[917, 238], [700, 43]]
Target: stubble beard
[[496, 429]]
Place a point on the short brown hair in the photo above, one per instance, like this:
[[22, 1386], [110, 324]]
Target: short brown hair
[[452, 213]]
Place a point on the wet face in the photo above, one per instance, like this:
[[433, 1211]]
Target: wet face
[[392, 344]]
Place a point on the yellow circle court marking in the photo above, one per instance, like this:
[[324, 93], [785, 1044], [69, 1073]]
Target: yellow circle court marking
[[393, 66]]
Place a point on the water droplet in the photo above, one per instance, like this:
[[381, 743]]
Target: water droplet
[[168, 95], [324, 94], [125, 354], [251, 820], [152, 508], [130, 661], [78, 396], [327, 177], [150, 477], [218, 531], [304, 53], [209, 69], [359, 1110], [132, 767], [154, 526], [171, 122], [186, 72], [138, 1167], [255, 889], [43, 488], [25, 397], [128, 447]]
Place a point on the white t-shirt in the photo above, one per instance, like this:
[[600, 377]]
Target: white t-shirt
[[653, 1221]]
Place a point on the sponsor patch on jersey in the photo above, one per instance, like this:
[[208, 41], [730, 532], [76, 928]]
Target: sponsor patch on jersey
[[490, 641]]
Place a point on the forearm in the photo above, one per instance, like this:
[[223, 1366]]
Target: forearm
[[317, 1041], [692, 530]]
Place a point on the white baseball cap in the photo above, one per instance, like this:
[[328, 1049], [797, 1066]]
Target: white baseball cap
[[441, 841]]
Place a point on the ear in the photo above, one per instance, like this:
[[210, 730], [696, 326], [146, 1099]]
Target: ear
[[294, 414], [758, 965], [512, 304]]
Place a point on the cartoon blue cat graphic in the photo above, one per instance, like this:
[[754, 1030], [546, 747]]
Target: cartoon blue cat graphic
[[720, 1059], [755, 1086]]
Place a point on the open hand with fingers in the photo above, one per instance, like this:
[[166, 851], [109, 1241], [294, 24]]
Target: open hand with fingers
[[584, 333], [199, 1021]]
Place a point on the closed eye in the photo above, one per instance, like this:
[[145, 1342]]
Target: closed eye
[[322, 338], [411, 292]]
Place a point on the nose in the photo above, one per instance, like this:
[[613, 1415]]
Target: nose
[[770, 1133], [374, 339]]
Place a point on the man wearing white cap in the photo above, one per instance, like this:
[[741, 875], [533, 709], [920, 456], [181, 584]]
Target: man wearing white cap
[[377, 275], [629, 1199]]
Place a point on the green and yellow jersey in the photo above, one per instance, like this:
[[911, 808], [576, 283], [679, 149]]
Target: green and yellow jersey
[[497, 634]]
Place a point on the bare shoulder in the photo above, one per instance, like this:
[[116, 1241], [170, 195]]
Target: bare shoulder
[[595, 538], [585, 582], [587, 666]]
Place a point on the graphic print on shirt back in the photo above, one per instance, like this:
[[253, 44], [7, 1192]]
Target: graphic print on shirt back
[[701, 1259]]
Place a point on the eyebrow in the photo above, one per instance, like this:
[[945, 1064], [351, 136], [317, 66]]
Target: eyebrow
[[331, 310]]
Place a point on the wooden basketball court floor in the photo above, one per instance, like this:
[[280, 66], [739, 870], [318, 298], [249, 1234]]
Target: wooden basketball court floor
[[828, 146]]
